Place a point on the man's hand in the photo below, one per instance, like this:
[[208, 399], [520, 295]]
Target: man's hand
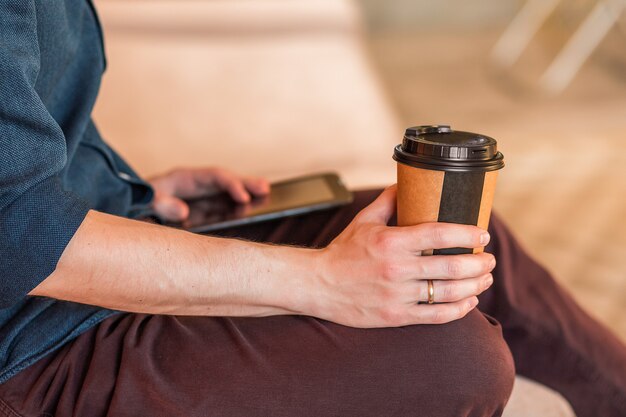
[[373, 275], [180, 184]]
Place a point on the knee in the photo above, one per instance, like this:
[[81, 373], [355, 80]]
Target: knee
[[461, 368], [478, 364], [465, 367]]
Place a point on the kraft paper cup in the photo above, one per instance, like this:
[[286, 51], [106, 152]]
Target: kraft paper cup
[[446, 176]]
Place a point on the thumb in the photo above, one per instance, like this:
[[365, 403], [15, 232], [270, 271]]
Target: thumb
[[170, 208], [381, 209]]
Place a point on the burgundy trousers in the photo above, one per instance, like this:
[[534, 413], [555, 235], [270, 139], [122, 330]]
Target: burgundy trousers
[[287, 366]]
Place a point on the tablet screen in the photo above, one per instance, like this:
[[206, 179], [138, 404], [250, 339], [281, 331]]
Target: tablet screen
[[283, 197]]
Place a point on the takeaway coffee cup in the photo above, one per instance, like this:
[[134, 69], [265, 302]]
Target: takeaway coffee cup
[[446, 176]]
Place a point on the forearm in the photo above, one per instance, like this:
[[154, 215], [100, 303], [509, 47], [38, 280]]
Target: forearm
[[371, 275], [134, 266]]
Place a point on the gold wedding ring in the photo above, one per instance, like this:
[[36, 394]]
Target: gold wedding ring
[[431, 291]]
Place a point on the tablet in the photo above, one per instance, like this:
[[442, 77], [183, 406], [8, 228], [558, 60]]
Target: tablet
[[290, 197]]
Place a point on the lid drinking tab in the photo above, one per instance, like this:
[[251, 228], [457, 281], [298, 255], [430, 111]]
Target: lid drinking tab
[[419, 130]]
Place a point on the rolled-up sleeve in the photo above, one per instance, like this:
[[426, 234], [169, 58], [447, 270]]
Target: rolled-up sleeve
[[37, 216]]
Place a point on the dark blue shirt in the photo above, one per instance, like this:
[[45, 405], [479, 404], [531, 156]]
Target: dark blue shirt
[[54, 167]]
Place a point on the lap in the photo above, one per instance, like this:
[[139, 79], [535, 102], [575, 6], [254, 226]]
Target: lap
[[134, 364], [281, 366]]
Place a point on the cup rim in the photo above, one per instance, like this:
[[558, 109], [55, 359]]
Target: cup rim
[[449, 165]]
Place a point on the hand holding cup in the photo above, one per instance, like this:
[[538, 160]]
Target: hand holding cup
[[373, 275]]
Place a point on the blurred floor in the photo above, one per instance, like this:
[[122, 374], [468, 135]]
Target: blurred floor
[[564, 188]]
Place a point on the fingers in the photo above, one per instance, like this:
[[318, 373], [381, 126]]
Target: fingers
[[170, 208], [451, 291], [381, 209], [191, 183], [441, 313], [426, 313], [451, 266], [227, 181], [401, 266], [240, 189], [257, 186], [440, 235]]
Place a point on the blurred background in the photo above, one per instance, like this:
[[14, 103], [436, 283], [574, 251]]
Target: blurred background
[[285, 87]]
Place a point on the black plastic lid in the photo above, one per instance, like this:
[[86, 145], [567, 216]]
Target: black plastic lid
[[440, 148]]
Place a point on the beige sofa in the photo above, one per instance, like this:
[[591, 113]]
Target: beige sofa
[[270, 87]]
